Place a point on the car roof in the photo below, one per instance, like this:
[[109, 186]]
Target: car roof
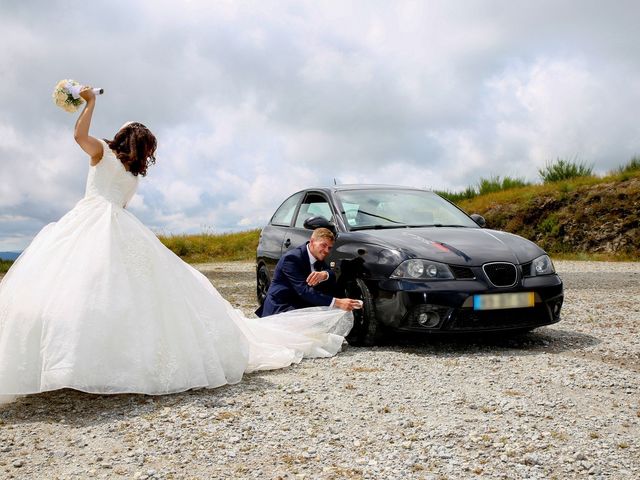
[[358, 186]]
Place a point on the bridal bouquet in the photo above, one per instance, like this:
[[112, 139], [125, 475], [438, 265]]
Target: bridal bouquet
[[66, 95]]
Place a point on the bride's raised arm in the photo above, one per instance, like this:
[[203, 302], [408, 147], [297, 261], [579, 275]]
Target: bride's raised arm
[[89, 144]]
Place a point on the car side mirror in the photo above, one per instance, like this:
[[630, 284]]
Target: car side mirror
[[479, 219], [312, 223]]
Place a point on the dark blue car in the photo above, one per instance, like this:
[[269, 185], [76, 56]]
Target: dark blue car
[[418, 262]]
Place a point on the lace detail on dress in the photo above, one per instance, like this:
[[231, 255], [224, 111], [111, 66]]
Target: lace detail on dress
[[5, 308], [166, 364], [137, 256]]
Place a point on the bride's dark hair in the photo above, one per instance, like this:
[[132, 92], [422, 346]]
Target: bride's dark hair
[[135, 146]]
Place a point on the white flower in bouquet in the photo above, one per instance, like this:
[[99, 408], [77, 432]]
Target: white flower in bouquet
[[66, 95]]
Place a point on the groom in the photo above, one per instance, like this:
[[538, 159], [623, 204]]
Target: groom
[[302, 279]]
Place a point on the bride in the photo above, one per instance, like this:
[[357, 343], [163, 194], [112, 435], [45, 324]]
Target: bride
[[96, 302]]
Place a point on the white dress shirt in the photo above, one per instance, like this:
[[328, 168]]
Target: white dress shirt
[[313, 260]]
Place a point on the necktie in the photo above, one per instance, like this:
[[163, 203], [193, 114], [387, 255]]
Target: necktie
[[317, 265]]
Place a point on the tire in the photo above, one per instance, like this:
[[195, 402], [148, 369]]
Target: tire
[[262, 283], [366, 330]]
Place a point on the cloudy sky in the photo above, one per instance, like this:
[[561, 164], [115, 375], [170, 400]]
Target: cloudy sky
[[252, 101]]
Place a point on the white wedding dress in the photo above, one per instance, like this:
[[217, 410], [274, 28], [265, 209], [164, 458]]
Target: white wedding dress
[[98, 304]]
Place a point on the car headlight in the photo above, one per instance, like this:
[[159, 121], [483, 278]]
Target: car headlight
[[542, 266], [418, 269]]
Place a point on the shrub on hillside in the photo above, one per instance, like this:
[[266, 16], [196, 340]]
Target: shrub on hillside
[[455, 197], [632, 166], [494, 184], [5, 265], [562, 169], [485, 185]]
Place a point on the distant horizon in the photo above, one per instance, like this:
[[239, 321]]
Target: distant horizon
[[10, 255]]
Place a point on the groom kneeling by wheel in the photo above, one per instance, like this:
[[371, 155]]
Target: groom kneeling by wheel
[[302, 279]]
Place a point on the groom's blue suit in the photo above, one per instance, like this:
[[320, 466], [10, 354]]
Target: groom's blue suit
[[289, 289]]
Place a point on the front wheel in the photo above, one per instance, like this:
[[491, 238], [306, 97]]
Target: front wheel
[[365, 331], [262, 283]]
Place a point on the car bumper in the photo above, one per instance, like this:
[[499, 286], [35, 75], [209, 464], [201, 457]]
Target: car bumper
[[448, 306]]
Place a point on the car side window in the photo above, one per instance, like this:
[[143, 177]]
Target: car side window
[[285, 212], [313, 205]]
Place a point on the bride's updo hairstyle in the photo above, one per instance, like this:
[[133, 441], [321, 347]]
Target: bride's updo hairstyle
[[135, 146]]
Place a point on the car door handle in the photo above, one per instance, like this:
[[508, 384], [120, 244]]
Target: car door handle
[[287, 242]]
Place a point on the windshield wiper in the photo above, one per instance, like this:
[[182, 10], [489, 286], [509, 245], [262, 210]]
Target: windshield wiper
[[369, 214]]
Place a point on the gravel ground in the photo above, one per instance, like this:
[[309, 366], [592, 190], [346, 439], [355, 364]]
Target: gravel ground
[[560, 402]]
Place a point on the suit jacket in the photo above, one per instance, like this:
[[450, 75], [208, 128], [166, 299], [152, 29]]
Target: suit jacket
[[289, 289]]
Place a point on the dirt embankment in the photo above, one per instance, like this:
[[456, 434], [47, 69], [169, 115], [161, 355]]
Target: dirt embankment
[[601, 218]]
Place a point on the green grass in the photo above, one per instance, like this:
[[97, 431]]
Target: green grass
[[495, 184], [456, 197], [208, 247], [5, 265], [562, 169], [485, 185], [632, 165]]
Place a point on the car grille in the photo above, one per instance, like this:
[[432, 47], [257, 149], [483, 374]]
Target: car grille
[[526, 269], [462, 273], [501, 274]]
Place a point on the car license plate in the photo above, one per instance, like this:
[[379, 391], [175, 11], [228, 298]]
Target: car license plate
[[499, 301]]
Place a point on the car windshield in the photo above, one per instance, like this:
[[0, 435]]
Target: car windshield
[[388, 208]]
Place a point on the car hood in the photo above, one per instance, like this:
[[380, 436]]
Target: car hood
[[457, 246]]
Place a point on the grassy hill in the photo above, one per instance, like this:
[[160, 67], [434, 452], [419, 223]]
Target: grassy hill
[[575, 218], [210, 247]]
